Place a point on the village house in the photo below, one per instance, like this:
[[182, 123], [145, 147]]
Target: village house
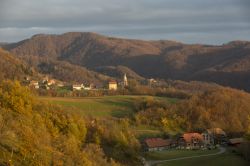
[[208, 138], [27, 78], [89, 87], [45, 80], [51, 82], [191, 141], [151, 82], [34, 84], [214, 136], [60, 84], [157, 144], [77, 87], [44, 86], [235, 141], [112, 85]]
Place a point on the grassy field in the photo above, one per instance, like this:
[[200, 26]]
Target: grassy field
[[226, 159], [171, 154], [106, 106]]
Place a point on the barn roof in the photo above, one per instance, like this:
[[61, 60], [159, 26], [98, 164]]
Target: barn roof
[[189, 136], [157, 142]]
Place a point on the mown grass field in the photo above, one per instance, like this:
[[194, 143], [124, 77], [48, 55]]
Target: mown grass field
[[106, 106], [225, 159]]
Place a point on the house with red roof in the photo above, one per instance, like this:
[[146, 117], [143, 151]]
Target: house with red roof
[[157, 144], [191, 141]]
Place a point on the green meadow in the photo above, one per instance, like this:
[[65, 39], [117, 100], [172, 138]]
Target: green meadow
[[225, 159], [106, 106]]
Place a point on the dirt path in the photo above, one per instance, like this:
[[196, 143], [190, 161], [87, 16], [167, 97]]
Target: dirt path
[[154, 162]]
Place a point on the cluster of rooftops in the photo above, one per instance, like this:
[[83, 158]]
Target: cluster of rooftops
[[206, 139], [46, 83]]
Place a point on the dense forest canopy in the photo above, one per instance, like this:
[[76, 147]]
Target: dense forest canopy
[[12, 68], [224, 108], [35, 133]]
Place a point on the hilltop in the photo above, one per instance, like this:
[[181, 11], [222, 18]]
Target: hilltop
[[227, 64]]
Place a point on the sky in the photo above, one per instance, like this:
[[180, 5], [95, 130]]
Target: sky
[[188, 21]]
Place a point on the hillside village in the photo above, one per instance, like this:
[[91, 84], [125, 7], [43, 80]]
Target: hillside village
[[113, 84]]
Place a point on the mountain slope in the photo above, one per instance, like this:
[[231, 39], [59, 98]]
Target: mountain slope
[[118, 72], [12, 68], [65, 71], [227, 64]]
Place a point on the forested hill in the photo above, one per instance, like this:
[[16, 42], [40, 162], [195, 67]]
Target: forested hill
[[13, 68], [227, 64], [16, 68]]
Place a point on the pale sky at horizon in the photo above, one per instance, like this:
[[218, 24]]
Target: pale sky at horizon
[[188, 21]]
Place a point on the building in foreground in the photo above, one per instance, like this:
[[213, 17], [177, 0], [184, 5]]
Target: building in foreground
[[191, 141], [235, 141], [157, 144], [214, 136]]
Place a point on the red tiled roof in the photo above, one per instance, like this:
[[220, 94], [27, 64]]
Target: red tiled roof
[[157, 142], [189, 136]]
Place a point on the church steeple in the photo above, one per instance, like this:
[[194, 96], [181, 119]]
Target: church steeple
[[125, 80]]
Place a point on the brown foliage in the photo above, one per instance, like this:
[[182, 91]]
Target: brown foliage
[[224, 108]]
